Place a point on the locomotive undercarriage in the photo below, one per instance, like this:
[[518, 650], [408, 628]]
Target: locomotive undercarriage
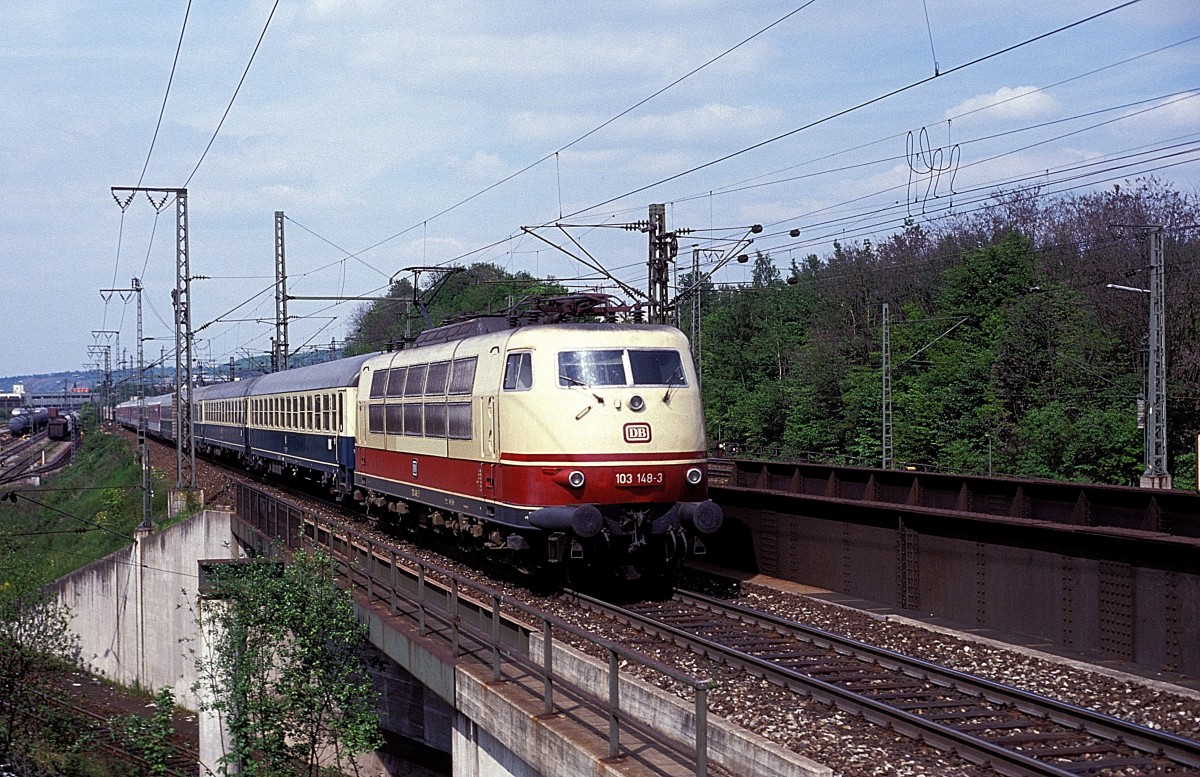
[[640, 548]]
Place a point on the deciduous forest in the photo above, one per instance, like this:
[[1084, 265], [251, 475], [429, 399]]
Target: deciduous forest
[[1009, 350]]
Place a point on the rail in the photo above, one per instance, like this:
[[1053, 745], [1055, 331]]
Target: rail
[[853, 672], [469, 616]]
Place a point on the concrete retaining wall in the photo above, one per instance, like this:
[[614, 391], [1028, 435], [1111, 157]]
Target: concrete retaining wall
[[134, 610]]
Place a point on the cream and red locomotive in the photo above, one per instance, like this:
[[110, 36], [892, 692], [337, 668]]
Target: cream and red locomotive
[[570, 446]]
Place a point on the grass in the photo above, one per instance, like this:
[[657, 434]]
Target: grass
[[82, 514], [75, 517]]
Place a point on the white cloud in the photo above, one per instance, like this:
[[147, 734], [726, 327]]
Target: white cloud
[[1181, 111], [481, 166], [1007, 103]]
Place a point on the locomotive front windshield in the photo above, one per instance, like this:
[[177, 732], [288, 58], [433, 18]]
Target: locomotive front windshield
[[621, 367]]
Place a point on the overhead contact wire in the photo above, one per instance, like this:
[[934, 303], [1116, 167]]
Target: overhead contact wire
[[859, 106], [229, 107]]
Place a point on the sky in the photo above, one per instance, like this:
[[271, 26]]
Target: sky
[[395, 135]]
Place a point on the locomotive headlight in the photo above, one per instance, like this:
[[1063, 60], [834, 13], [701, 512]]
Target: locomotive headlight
[[636, 403], [694, 475], [575, 479]]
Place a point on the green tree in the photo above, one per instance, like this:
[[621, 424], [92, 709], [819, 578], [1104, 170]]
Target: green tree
[[288, 670], [479, 289]]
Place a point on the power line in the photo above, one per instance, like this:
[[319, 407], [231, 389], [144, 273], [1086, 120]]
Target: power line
[[760, 144], [229, 107], [13, 495], [166, 94], [589, 133], [859, 106]]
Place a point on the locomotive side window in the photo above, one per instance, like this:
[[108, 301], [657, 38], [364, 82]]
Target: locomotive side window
[[414, 385], [435, 381], [395, 383], [412, 419], [379, 383], [462, 376], [458, 420], [375, 419], [518, 371], [591, 368], [395, 419], [656, 368], [435, 419]]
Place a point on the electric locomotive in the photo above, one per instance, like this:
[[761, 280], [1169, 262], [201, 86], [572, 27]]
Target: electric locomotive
[[571, 445]]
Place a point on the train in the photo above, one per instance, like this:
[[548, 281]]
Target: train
[[62, 425], [571, 449], [28, 420]]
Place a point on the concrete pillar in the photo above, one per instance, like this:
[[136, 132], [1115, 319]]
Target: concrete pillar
[[477, 753], [215, 738]]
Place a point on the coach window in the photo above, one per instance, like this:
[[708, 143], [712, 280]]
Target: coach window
[[518, 371], [435, 381], [395, 386], [462, 376], [414, 384], [340, 412]]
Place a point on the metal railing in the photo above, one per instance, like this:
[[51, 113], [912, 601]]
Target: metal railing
[[469, 616]]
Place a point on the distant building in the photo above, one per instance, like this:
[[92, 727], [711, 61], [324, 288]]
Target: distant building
[[9, 402]]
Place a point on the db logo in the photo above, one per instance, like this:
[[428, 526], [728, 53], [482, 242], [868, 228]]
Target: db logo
[[637, 432]]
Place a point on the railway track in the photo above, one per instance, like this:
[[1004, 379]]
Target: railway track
[[20, 456], [1012, 731], [940, 707], [182, 761]]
